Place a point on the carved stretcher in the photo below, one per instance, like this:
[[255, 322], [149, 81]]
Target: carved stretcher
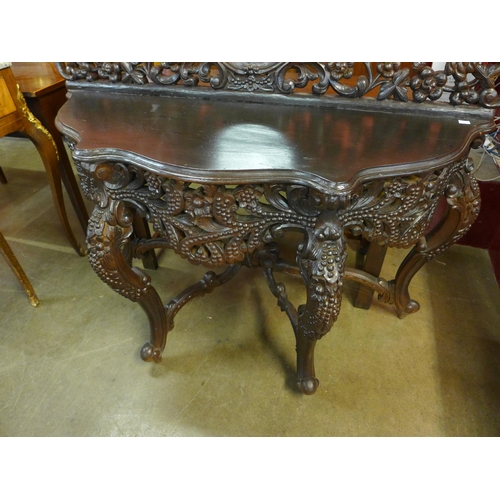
[[224, 158]]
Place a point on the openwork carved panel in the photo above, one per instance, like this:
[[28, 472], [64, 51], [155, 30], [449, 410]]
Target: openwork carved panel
[[397, 211], [465, 82], [464, 198], [217, 224], [207, 224]]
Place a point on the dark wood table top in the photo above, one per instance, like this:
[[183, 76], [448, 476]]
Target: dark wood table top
[[37, 78], [229, 141]]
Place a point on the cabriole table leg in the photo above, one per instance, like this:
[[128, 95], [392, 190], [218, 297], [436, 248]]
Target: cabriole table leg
[[321, 259], [109, 231], [463, 198], [47, 149]]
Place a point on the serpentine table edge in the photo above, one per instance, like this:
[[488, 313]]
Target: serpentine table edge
[[218, 216]]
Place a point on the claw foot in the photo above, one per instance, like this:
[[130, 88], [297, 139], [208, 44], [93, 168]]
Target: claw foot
[[151, 353], [308, 385]]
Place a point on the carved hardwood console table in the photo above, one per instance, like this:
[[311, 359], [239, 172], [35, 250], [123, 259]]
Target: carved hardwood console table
[[224, 158]]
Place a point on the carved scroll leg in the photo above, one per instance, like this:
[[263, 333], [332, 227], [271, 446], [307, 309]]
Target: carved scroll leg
[[153, 307], [463, 199], [108, 231], [306, 376], [307, 381], [321, 261]]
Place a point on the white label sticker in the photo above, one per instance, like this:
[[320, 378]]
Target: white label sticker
[[464, 122]]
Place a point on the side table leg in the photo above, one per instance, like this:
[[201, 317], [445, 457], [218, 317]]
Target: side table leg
[[321, 259], [464, 202], [372, 265], [18, 271], [109, 230], [46, 147]]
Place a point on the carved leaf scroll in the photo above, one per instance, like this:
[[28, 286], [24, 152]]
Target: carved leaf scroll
[[472, 82], [396, 212], [216, 224]]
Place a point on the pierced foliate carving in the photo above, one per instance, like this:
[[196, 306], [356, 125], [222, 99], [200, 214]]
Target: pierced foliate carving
[[215, 224], [207, 224], [396, 212], [463, 197], [473, 82], [477, 90]]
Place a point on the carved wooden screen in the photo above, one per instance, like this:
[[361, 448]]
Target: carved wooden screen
[[466, 83]]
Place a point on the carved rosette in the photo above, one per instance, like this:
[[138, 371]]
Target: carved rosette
[[472, 82], [427, 83]]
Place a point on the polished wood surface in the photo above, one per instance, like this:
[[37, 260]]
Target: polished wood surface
[[7, 105], [11, 120], [224, 172], [217, 140], [36, 79], [11, 117]]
